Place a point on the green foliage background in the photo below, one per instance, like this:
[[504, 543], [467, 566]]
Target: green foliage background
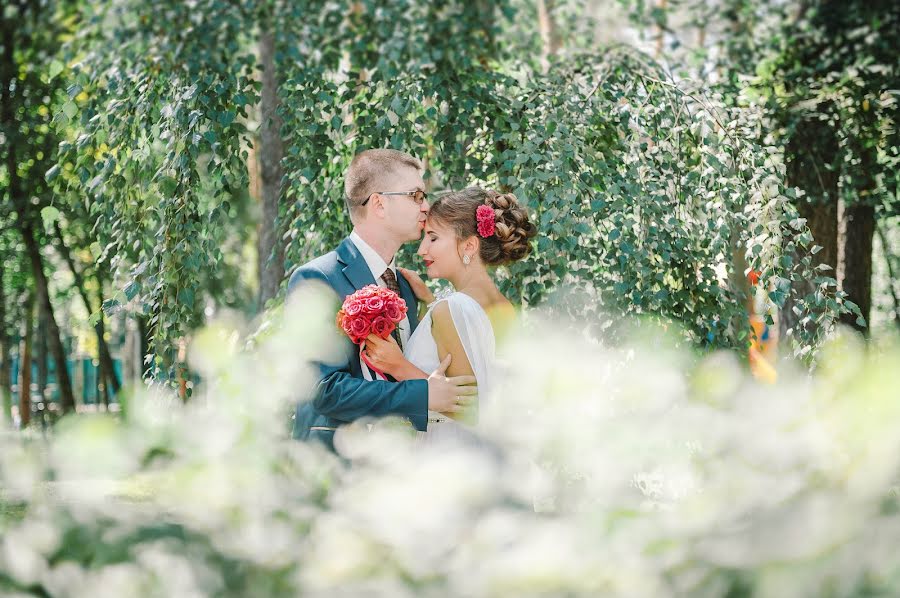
[[644, 187], [656, 183]]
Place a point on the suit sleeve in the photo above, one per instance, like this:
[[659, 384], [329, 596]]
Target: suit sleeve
[[340, 395]]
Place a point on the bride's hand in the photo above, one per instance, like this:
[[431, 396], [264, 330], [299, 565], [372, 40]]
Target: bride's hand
[[421, 291], [385, 354]]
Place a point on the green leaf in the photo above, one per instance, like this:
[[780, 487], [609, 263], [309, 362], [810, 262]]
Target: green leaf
[[186, 297], [132, 290], [49, 215], [111, 307], [56, 67]]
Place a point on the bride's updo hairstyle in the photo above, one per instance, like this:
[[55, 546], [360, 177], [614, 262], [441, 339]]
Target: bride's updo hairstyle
[[510, 239]]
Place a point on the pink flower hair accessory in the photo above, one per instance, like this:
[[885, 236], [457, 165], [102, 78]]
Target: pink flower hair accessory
[[486, 222]]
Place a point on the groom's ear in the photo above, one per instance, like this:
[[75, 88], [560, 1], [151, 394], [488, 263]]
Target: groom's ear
[[376, 203]]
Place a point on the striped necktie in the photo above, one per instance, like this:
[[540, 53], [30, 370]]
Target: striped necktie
[[390, 280]]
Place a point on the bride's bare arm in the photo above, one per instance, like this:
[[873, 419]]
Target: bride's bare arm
[[386, 355]]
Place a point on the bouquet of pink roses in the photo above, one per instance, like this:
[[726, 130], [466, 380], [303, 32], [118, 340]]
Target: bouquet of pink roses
[[371, 310]]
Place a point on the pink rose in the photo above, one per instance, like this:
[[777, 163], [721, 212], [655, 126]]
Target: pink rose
[[382, 326], [359, 329], [393, 311], [345, 326], [353, 307], [371, 309], [374, 304]]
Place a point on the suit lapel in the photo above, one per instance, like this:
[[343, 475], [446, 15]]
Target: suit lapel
[[411, 304], [358, 273], [355, 267]]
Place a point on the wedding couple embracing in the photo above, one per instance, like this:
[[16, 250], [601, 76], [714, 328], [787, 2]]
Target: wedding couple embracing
[[432, 371]]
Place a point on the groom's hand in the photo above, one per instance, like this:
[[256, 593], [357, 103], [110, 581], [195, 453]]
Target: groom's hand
[[419, 289], [449, 395]]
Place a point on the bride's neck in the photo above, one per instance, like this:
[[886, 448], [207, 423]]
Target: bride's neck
[[475, 282]]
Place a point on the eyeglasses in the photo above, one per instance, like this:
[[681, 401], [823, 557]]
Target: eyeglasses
[[418, 195]]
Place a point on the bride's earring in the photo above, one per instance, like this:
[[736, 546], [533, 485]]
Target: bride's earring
[[466, 260]]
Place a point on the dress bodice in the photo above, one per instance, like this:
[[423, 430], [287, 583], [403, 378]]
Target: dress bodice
[[477, 337]]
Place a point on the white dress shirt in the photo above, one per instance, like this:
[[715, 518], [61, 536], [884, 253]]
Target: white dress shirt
[[377, 266]]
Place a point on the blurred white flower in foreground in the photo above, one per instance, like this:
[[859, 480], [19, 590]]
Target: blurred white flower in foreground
[[621, 471]]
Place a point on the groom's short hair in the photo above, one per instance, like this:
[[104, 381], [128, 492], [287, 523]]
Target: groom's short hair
[[370, 172]]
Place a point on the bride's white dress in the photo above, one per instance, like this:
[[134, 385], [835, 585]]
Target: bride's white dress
[[477, 336]]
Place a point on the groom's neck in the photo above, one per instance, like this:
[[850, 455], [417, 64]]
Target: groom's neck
[[379, 240]]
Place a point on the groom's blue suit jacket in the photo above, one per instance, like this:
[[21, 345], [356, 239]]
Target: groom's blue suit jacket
[[341, 394]]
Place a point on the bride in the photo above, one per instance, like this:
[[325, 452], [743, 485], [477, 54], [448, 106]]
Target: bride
[[466, 232]]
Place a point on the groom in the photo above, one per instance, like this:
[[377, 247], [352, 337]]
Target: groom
[[385, 194]]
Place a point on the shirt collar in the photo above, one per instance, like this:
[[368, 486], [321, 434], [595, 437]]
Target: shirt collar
[[373, 260]]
